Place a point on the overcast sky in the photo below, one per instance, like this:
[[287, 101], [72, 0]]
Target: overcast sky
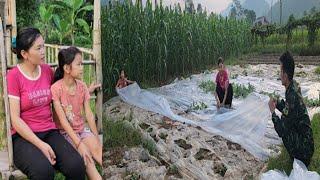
[[215, 6]]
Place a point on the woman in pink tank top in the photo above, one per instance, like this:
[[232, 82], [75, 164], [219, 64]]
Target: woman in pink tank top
[[38, 147], [224, 91]]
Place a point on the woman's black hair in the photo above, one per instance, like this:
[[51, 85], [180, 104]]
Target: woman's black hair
[[220, 60], [65, 57], [287, 64], [25, 40]]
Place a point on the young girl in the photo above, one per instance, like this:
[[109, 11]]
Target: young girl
[[71, 100], [123, 81]]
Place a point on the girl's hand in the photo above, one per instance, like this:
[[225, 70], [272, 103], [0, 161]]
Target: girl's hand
[[93, 87], [48, 152], [85, 154], [98, 139]]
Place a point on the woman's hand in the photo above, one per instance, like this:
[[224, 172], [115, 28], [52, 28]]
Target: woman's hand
[[85, 154], [223, 103], [218, 105], [48, 152]]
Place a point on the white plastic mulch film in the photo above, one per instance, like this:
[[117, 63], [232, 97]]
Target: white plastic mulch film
[[246, 125], [298, 172]]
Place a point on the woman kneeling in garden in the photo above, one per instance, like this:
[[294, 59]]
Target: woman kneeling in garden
[[38, 147], [224, 91]]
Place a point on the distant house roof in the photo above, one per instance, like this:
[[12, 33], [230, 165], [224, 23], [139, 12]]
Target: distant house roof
[[261, 21]]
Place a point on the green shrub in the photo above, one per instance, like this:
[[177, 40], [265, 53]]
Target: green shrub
[[242, 91], [208, 86]]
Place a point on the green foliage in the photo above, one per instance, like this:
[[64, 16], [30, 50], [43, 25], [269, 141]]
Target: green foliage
[[45, 15], [158, 44], [59, 176], [310, 51], [234, 76], [26, 12], [122, 134], [297, 48], [283, 162], [71, 19], [317, 71], [312, 102], [198, 106], [3, 131], [310, 21], [273, 95], [208, 86], [61, 21], [242, 91], [173, 170], [250, 15]]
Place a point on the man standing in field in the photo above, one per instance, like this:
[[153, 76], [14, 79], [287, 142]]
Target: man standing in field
[[294, 125]]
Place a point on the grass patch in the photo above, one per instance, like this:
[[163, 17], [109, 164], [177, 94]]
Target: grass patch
[[311, 102], [310, 51], [163, 136], [3, 131], [208, 86], [122, 134], [238, 59], [283, 162], [317, 71], [301, 74], [242, 91], [173, 170], [301, 49], [234, 76], [273, 95], [133, 176]]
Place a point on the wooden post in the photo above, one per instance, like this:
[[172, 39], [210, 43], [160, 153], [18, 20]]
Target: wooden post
[[97, 56], [14, 27], [56, 49], [7, 31], [11, 31], [7, 111], [2, 110]]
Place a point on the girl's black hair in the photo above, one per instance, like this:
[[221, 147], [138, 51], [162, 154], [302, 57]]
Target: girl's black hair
[[220, 60], [65, 57], [25, 40]]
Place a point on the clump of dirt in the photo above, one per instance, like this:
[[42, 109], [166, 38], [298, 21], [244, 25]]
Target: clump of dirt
[[183, 144]]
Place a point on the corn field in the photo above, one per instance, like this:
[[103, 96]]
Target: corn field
[[156, 44]]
